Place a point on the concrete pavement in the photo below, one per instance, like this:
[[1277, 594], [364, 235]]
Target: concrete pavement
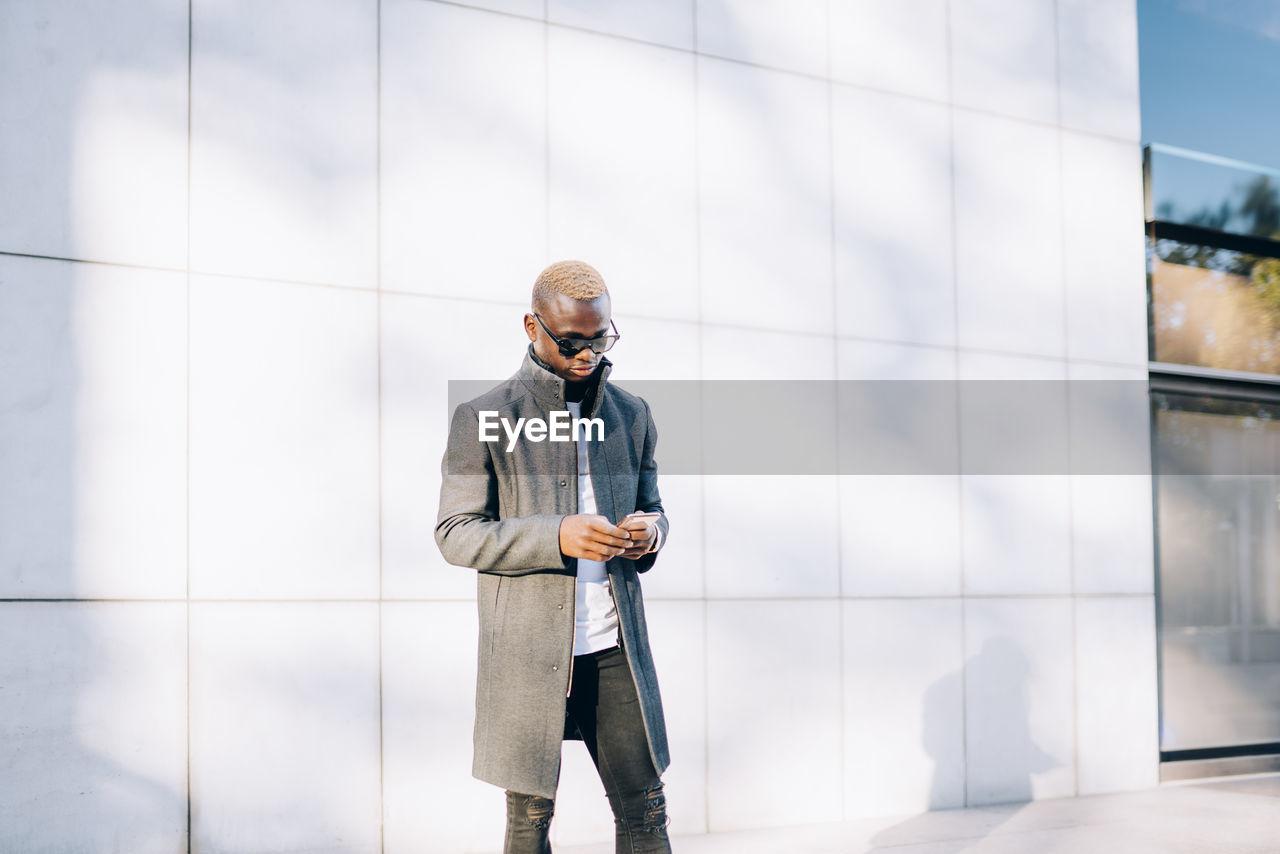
[[1239, 815]]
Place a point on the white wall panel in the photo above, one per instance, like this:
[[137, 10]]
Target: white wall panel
[[431, 801], [1118, 704], [1112, 537], [789, 34], [765, 198], [93, 131], [771, 535], [623, 187], [898, 47], [464, 197], [677, 635], [523, 8], [1019, 699], [882, 516], [1016, 533], [1008, 235], [773, 713], [892, 178], [1015, 491], [665, 22], [1104, 250], [903, 706], [991, 368], [93, 727], [798, 556], [749, 354], [652, 349], [1004, 57], [284, 139], [883, 360], [900, 535], [1112, 540], [284, 440], [92, 430], [1098, 66], [426, 343], [285, 727]]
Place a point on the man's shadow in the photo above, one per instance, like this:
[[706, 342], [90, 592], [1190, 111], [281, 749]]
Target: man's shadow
[[1000, 755]]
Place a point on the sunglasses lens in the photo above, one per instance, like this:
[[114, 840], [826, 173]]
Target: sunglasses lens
[[573, 346]]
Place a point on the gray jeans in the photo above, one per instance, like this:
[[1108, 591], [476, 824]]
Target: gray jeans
[[604, 710]]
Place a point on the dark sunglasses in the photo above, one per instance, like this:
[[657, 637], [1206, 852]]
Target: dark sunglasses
[[570, 347]]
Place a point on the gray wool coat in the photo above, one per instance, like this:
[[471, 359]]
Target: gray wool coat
[[500, 514]]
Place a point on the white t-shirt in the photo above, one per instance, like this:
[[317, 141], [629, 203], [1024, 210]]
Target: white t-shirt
[[595, 616]]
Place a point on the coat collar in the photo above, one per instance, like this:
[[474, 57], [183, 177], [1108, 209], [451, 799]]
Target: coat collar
[[548, 389]]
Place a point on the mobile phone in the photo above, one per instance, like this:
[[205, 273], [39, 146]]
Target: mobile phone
[[648, 518]]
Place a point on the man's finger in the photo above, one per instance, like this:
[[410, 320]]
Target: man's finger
[[604, 526], [602, 539]]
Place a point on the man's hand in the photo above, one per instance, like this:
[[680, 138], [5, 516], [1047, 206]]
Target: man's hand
[[592, 537], [641, 537]]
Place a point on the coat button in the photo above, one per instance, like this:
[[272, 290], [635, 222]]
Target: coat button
[[559, 607], [564, 483], [555, 667]]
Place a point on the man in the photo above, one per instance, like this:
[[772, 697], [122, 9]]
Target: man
[[564, 650]]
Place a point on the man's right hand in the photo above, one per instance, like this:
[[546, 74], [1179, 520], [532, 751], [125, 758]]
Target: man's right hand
[[592, 537]]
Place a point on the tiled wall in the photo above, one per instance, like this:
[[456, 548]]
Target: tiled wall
[[244, 247]]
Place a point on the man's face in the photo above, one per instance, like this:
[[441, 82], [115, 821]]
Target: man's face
[[569, 318]]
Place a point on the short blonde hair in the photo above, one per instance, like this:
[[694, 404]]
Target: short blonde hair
[[575, 279]]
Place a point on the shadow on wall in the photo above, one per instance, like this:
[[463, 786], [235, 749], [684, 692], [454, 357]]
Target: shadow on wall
[[1006, 756]]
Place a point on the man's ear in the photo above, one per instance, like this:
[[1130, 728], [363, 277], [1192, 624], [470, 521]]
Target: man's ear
[[531, 327]]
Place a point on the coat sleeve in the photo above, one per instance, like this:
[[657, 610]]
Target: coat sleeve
[[469, 531], [647, 497]]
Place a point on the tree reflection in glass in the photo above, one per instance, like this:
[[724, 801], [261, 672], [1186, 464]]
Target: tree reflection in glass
[[1216, 307]]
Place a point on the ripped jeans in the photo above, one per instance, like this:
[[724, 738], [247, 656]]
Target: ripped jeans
[[604, 709]]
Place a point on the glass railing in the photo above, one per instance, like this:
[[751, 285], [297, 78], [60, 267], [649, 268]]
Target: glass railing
[[1213, 229]]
